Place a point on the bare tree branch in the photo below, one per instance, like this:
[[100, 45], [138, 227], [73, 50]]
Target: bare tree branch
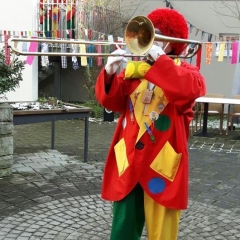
[[233, 8]]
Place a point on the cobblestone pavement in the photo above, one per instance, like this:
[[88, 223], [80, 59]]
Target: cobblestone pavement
[[53, 194]]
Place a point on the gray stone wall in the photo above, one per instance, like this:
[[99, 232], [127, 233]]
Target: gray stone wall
[[6, 139]]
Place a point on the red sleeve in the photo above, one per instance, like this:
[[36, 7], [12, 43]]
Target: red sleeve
[[180, 84], [114, 99]]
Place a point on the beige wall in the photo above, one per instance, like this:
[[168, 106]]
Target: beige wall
[[18, 16]]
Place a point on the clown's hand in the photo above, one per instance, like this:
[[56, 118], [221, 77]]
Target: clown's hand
[[114, 62], [155, 52]]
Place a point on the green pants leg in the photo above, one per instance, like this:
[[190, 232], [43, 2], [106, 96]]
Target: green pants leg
[[128, 216]]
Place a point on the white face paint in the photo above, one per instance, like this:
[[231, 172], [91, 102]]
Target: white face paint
[[164, 45], [159, 44]]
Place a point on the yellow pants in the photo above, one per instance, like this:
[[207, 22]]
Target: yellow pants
[[162, 223]]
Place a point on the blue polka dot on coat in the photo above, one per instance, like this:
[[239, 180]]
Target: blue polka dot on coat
[[156, 185]]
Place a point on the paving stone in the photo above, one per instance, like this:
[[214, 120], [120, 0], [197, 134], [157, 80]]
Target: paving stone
[[63, 193]]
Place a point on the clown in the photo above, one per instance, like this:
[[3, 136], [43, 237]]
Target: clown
[[146, 172]]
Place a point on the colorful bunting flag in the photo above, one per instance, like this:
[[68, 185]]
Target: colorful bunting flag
[[32, 48], [234, 52], [221, 51], [208, 52]]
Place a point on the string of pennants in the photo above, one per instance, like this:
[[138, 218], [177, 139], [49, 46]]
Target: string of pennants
[[83, 48], [227, 51], [228, 46], [192, 27], [87, 34]]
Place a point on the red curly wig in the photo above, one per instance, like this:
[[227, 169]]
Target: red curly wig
[[172, 24]]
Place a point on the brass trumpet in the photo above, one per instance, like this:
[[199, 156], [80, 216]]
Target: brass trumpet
[[139, 38]]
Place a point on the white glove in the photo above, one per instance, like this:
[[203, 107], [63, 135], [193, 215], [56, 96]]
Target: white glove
[[155, 52], [113, 63]]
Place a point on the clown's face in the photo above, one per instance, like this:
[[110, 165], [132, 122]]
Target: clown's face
[[167, 48]]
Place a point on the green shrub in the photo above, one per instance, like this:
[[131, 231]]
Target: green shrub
[[97, 109], [10, 75]]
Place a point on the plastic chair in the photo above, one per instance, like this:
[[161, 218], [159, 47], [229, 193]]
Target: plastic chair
[[232, 112], [196, 108], [214, 109]]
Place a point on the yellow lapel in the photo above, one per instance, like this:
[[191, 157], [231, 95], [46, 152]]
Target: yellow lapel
[[142, 110]]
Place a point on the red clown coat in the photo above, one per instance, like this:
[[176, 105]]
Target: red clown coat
[[150, 142]]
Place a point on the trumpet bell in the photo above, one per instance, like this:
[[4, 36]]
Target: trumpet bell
[[139, 35]]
